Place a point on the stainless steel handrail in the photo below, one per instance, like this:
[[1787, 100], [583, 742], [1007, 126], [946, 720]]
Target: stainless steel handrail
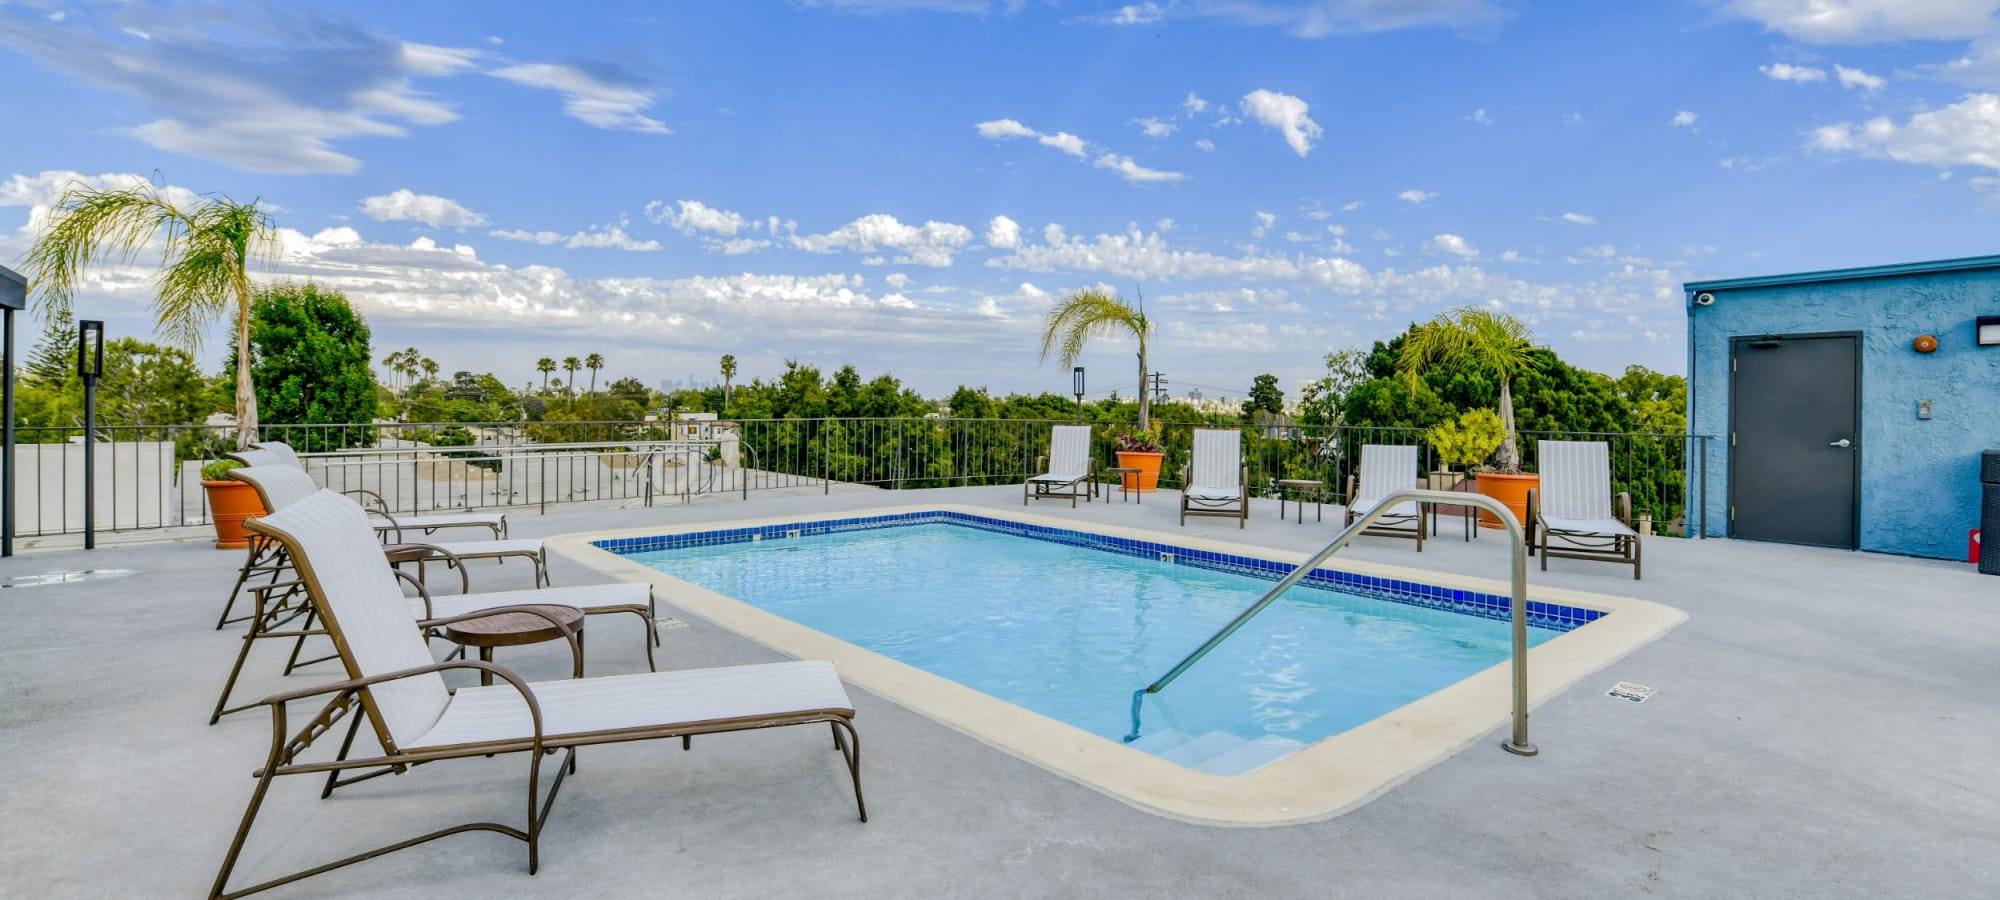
[[1518, 743]]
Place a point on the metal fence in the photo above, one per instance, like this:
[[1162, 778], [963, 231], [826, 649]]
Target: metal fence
[[148, 476]]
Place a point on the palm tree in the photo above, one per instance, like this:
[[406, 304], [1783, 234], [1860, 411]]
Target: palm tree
[[430, 369], [593, 362], [570, 365], [1091, 312], [204, 264], [728, 374], [545, 366], [1482, 341]]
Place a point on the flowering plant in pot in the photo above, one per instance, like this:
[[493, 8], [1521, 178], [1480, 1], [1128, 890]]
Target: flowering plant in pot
[[1467, 442], [229, 503], [1140, 449], [1496, 346]]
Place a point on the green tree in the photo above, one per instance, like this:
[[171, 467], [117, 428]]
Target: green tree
[[1481, 341], [150, 384], [547, 367], [570, 365], [310, 363], [1090, 313], [728, 376], [1320, 402], [53, 359], [593, 362], [204, 269], [1265, 396]]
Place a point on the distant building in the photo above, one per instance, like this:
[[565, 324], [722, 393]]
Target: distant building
[[1848, 407]]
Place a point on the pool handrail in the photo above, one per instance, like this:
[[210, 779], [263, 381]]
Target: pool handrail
[[1518, 743]]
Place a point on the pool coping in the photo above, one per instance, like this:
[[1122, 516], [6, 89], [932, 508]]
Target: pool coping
[[1323, 780]]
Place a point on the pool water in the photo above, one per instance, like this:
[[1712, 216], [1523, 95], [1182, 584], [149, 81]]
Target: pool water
[[1070, 632]]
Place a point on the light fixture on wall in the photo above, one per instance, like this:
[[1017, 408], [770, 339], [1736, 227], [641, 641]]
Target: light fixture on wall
[[1925, 344], [1989, 331]]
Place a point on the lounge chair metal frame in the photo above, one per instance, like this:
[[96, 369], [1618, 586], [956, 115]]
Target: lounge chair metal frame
[[1237, 507], [1391, 524], [353, 699], [1053, 486], [1602, 545]]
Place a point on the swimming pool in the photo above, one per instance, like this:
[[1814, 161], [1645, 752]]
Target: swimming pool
[[1068, 626], [1320, 779]]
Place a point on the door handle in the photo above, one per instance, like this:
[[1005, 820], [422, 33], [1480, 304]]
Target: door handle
[[1843, 442]]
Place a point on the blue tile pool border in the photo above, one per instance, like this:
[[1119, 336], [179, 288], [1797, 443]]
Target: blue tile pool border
[[1554, 617]]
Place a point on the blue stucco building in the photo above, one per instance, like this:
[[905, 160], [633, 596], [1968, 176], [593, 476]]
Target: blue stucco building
[[1836, 422]]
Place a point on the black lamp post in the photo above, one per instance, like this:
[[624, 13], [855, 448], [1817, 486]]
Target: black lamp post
[[1076, 377], [89, 365], [13, 296]]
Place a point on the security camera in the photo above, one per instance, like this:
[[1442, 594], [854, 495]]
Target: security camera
[[1704, 299]]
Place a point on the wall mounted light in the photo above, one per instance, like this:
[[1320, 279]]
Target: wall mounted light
[[1989, 331], [1925, 344]]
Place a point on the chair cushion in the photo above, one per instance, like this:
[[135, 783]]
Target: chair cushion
[[1213, 494], [490, 549], [1586, 526], [649, 699]]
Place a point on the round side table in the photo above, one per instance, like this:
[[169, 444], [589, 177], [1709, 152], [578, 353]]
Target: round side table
[[515, 629]]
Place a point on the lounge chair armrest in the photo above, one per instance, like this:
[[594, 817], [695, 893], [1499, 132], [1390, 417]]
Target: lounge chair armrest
[[1534, 506], [355, 684], [437, 552], [283, 752], [1041, 464], [1621, 506], [569, 634]]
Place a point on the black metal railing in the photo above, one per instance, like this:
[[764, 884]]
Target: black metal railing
[[148, 476]]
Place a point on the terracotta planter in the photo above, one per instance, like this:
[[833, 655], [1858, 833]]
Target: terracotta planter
[[229, 503], [1148, 464], [1509, 489]]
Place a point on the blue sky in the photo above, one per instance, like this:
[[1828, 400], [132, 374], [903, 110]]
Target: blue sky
[[905, 185]]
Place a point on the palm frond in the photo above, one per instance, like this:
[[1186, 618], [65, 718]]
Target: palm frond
[[1085, 314]]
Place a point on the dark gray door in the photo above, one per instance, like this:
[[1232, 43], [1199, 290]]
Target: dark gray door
[[1795, 416]]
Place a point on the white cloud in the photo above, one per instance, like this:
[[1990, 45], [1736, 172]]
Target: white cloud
[[1205, 145], [1792, 73], [691, 216], [1856, 78], [1064, 141], [1579, 219], [229, 89], [1264, 222], [931, 244], [1683, 119], [1005, 128], [1003, 233], [897, 280], [1193, 105], [1285, 113], [1454, 245], [1325, 18], [610, 237], [1416, 196], [1480, 117], [405, 205], [40, 192], [1870, 21], [1966, 133], [1131, 171], [1139, 14], [1353, 205], [601, 100], [1155, 128]]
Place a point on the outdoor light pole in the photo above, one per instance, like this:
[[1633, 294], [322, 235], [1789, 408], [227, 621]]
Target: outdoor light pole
[[13, 296], [89, 365], [1076, 375]]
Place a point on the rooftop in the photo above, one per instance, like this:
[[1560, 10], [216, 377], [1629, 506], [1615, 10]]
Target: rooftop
[[1934, 267], [1819, 729]]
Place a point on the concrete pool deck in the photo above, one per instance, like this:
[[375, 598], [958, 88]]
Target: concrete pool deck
[[1822, 727]]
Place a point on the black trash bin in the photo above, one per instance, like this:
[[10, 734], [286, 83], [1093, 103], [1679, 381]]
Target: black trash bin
[[1989, 511]]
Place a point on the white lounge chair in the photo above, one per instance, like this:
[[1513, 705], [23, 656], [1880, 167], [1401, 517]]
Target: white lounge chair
[[1215, 476], [1574, 504], [280, 613], [1071, 472], [399, 527], [1386, 469], [399, 691]]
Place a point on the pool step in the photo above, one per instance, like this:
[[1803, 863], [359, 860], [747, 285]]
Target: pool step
[[1216, 752]]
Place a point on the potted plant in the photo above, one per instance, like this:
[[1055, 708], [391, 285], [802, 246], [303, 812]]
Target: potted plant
[[1465, 443], [1492, 345], [1140, 449], [229, 503]]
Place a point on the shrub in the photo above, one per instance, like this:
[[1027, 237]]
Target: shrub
[[219, 470], [1469, 441]]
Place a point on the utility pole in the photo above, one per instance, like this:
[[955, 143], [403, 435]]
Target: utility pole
[[1159, 380]]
